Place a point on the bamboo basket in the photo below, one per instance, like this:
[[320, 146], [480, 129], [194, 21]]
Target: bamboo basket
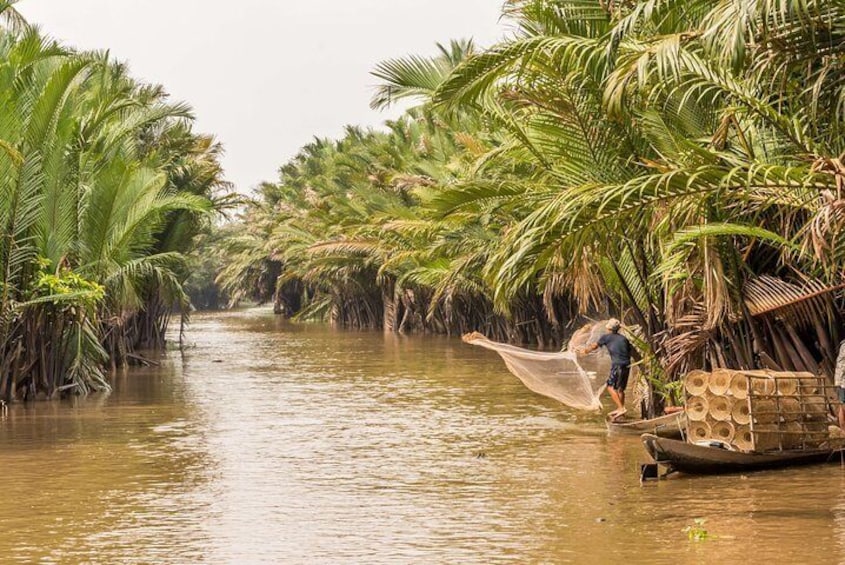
[[699, 430], [766, 438], [739, 386], [695, 383], [790, 409], [720, 382], [741, 413], [697, 408], [762, 385], [757, 411], [815, 408], [723, 431], [794, 435], [763, 411], [816, 434], [720, 408], [787, 384], [744, 439], [808, 385]]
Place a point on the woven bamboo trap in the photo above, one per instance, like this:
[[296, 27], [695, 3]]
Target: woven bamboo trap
[[757, 411]]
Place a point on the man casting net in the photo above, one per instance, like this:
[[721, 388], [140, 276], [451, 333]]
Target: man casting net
[[556, 375]]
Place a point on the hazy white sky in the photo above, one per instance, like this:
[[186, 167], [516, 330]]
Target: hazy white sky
[[266, 76]]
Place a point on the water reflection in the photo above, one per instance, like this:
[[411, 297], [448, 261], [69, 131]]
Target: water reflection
[[270, 442]]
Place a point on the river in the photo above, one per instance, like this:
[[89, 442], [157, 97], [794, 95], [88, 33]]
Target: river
[[269, 442]]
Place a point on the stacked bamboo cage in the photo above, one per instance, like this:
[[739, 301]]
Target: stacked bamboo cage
[[757, 411]]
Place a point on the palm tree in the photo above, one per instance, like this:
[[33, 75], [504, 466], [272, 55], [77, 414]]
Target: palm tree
[[84, 207], [678, 164], [716, 186]]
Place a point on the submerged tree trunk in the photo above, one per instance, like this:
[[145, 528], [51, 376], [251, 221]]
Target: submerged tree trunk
[[390, 307]]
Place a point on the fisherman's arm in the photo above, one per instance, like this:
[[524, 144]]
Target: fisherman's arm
[[593, 346], [588, 348]]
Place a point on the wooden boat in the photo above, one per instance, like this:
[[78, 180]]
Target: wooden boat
[[668, 425], [685, 457]]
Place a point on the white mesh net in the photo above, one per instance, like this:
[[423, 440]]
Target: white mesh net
[[556, 375], [588, 334]]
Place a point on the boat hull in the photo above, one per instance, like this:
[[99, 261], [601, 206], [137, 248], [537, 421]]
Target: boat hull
[[667, 426], [702, 460]]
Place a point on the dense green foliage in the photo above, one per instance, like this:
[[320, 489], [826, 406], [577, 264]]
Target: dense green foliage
[[103, 186], [679, 164]]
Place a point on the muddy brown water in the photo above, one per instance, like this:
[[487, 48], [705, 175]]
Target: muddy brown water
[[267, 442]]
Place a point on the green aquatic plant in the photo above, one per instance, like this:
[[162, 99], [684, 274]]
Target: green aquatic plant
[[696, 530]]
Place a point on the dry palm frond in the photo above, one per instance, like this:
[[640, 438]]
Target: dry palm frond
[[836, 167], [766, 294], [679, 351], [404, 182], [825, 231]]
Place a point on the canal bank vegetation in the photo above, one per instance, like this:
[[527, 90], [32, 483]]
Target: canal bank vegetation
[[103, 186], [677, 164]]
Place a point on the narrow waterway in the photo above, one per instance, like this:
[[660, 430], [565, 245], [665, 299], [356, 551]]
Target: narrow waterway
[[266, 442]]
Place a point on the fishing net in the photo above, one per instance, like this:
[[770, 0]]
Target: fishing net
[[586, 335], [556, 375]]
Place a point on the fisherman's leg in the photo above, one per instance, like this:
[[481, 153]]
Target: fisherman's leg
[[840, 392], [618, 399], [622, 383]]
